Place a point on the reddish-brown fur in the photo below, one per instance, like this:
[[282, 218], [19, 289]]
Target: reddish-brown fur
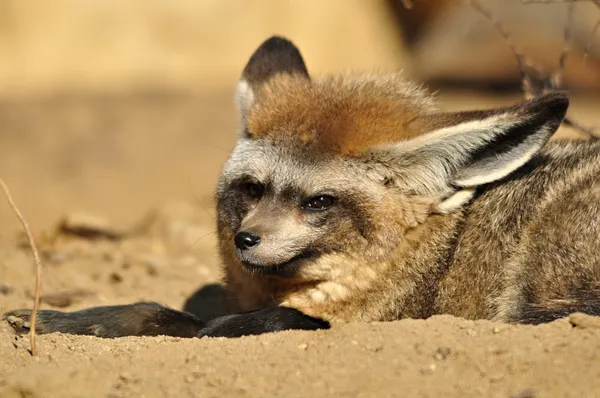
[[328, 115]]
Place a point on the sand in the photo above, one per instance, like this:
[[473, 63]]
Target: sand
[[152, 161]]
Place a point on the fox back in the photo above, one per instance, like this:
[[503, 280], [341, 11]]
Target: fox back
[[354, 198]]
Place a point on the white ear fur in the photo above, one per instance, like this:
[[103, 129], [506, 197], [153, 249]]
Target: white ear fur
[[455, 146], [456, 200], [450, 162], [276, 55], [244, 98]]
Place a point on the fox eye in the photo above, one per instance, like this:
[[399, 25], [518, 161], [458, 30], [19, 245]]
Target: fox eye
[[255, 190], [320, 202]]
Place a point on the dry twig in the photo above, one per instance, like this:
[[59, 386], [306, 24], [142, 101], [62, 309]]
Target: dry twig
[[557, 76], [408, 4], [534, 81], [544, 82], [585, 130], [37, 261], [596, 2], [547, 1], [526, 82], [588, 43]]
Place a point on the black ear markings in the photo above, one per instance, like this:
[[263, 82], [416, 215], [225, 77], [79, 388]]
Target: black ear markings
[[275, 55], [528, 126], [544, 110], [549, 109]]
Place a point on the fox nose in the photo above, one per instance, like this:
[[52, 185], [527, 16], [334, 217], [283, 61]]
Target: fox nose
[[246, 240]]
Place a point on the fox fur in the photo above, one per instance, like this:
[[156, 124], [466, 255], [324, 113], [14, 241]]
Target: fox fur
[[473, 214]]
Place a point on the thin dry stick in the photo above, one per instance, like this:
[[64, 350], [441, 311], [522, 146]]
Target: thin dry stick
[[586, 130], [557, 77], [595, 2], [588, 44], [528, 88], [408, 4], [551, 1], [37, 261], [526, 83]]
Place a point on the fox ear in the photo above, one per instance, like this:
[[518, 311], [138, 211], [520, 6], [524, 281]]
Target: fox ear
[[275, 55], [468, 149]]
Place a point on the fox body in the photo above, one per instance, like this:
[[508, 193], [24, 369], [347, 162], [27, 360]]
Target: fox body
[[354, 198], [472, 214]]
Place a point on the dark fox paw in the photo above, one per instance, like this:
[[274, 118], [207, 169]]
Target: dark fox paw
[[267, 320], [140, 319], [47, 321], [20, 321]]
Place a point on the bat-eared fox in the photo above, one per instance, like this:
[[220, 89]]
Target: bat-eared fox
[[354, 198]]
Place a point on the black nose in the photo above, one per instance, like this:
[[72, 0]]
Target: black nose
[[246, 240]]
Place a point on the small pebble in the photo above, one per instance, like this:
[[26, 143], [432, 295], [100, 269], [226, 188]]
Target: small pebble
[[429, 370], [66, 298], [154, 261], [115, 277], [584, 321], [5, 290], [151, 269], [54, 257], [526, 393], [303, 346], [442, 353], [202, 270]]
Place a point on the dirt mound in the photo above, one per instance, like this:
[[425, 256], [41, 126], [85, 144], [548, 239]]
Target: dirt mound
[[88, 262]]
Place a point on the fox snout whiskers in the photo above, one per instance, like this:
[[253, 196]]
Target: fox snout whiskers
[[267, 252], [287, 268]]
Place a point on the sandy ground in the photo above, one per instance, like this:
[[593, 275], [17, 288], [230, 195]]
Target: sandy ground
[[152, 160]]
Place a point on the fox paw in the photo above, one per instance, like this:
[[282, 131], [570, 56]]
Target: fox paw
[[19, 320]]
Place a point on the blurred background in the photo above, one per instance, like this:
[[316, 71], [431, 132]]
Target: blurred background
[[115, 106]]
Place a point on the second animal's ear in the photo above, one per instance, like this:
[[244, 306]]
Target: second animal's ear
[[465, 150], [275, 55]]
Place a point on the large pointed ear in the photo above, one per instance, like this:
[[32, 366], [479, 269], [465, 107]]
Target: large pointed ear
[[467, 149], [275, 55]]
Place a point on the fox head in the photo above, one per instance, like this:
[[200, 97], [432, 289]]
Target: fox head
[[346, 166]]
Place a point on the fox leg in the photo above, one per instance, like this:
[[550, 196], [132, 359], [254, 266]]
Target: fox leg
[[266, 320], [536, 314], [152, 319], [139, 319]]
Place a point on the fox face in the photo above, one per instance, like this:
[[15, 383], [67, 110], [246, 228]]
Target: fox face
[[283, 208], [289, 195], [334, 178]]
